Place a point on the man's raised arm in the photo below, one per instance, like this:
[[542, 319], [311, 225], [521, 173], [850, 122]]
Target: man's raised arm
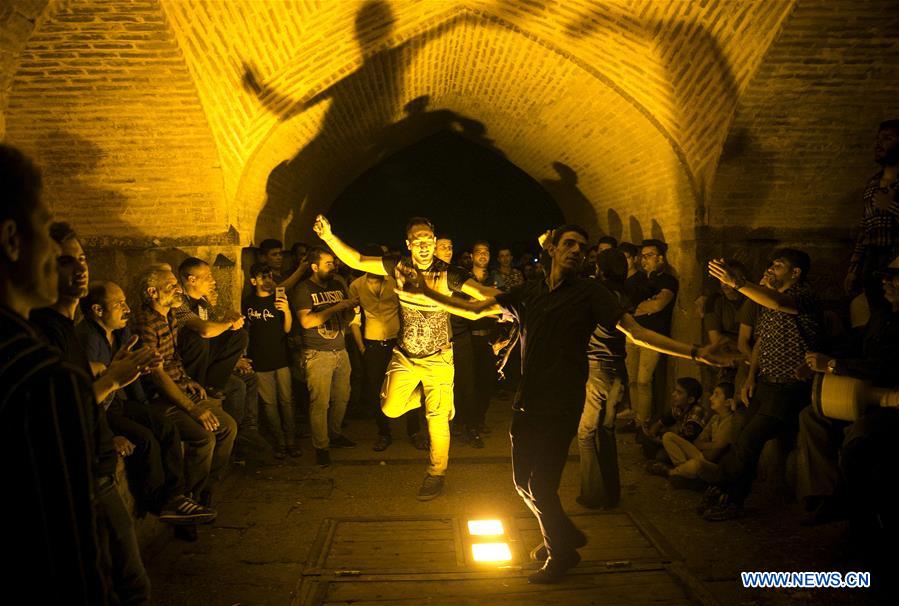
[[347, 254]]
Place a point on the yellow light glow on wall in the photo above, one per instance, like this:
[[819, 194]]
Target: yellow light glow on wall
[[480, 528], [491, 552]]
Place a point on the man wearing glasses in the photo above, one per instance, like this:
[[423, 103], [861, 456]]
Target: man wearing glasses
[[423, 355]]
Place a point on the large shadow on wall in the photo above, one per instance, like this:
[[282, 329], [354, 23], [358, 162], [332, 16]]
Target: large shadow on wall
[[355, 119]]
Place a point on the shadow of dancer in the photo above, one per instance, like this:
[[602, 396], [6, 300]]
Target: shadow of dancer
[[576, 206], [299, 188]]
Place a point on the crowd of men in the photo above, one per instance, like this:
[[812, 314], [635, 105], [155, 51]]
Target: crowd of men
[[176, 386]]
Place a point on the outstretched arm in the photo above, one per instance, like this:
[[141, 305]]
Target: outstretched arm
[[652, 340], [347, 254], [770, 298], [471, 310]]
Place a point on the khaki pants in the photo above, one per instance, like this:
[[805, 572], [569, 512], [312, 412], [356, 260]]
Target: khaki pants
[[688, 460], [435, 376]]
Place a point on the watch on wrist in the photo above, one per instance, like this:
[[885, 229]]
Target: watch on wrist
[[694, 352]]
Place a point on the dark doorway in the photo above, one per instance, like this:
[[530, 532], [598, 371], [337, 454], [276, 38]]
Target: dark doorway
[[469, 190]]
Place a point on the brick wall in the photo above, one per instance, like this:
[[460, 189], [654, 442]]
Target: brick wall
[[17, 22]]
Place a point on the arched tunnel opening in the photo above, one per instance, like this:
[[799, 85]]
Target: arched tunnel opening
[[275, 455]]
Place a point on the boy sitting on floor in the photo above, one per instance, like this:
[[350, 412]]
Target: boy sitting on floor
[[685, 419]]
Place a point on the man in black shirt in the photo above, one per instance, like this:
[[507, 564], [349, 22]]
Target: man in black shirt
[[558, 316], [44, 436], [130, 582]]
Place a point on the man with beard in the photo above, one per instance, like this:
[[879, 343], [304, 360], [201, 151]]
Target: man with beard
[[324, 311], [423, 355], [45, 425], [130, 582], [558, 315], [877, 242]]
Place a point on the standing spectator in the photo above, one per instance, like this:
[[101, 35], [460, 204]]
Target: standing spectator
[[269, 321], [156, 467], [271, 252], [600, 485], [606, 243], [632, 254], [721, 322], [375, 330], [201, 421], [323, 310], [130, 582], [653, 310], [877, 242], [483, 332], [789, 326], [46, 418], [505, 276]]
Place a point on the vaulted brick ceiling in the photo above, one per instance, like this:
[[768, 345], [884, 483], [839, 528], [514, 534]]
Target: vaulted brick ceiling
[[630, 103]]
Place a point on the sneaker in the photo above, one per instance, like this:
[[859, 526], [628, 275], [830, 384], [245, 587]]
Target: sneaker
[[322, 457], [294, 451], [279, 453], [474, 439], [430, 488], [187, 533], [382, 443], [420, 441], [711, 497], [341, 441], [184, 510], [554, 569], [723, 511]]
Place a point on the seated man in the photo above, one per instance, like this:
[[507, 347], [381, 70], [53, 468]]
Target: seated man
[[211, 351], [686, 418], [156, 466], [698, 459], [202, 423]]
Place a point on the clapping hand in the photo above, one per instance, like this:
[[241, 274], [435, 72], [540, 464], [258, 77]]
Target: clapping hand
[[127, 365]]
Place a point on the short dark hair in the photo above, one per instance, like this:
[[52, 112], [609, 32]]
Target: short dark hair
[[892, 125], [314, 256], [21, 184], [569, 227], [96, 295], [419, 221], [260, 269], [61, 232], [188, 265], [608, 240], [480, 243], [728, 388], [629, 248], [692, 387], [270, 244], [612, 264], [796, 258], [296, 245], [657, 244]]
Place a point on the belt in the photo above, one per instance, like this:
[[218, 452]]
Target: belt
[[382, 343], [778, 380], [480, 333]]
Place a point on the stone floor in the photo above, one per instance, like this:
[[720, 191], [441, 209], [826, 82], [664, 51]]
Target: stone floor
[[269, 517]]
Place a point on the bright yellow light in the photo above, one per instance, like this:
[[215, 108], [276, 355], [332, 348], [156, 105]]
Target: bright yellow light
[[481, 528], [491, 552]]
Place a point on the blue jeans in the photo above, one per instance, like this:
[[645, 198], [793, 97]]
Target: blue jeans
[[600, 484], [328, 379]]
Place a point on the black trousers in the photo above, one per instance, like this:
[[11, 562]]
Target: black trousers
[[539, 452], [463, 380], [485, 377], [868, 471], [210, 362], [375, 359], [774, 413], [130, 582], [156, 467]]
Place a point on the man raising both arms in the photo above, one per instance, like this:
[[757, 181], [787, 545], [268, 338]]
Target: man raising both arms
[[558, 316], [423, 354]]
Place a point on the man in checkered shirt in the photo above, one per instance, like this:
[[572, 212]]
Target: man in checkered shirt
[[789, 326]]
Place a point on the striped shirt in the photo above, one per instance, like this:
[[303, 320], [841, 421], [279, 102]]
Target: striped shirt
[[161, 332]]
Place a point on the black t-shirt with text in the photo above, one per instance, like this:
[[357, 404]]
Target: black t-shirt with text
[[329, 335], [660, 321], [268, 341], [555, 330], [424, 326]]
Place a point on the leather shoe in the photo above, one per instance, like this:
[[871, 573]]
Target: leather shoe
[[554, 569], [382, 443]]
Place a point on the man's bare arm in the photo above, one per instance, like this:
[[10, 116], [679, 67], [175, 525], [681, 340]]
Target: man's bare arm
[[770, 298], [475, 289], [310, 319], [346, 253]]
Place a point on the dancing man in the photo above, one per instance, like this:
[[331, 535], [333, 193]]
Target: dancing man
[[558, 315], [423, 355]]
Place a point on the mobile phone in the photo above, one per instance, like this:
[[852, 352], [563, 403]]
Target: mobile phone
[[279, 292]]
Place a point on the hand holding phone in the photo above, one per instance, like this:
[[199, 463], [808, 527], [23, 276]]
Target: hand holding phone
[[279, 292]]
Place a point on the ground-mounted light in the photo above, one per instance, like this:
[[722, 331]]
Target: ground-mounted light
[[485, 528], [491, 552]]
